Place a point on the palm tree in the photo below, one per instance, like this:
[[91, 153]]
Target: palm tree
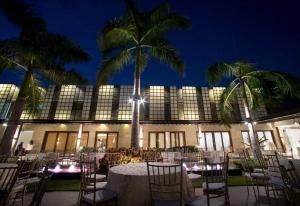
[[40, 54], [136, 37], [255, 86]]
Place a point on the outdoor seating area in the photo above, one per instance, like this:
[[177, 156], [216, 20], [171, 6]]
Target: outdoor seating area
[[152, 177]]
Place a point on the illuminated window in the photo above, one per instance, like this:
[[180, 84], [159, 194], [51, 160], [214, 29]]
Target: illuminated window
[[124, 112], [8, 94], [157, 103], [63, 142], [104, 103], [190, 103], [217, 92], [265, 137], [166, 139], [88, 95], [206, 103], [68, 94], [173, 103], [214, 141], [46, 105], [106, 140]]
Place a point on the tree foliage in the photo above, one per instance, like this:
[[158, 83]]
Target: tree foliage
[[260, 85], [120, 39], [41, 54]]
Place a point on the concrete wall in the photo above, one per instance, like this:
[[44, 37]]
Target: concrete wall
[[124, 130]]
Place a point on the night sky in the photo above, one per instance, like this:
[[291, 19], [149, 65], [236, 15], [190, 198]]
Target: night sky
[[263, 32]]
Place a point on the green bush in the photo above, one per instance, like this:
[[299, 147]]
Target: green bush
[[249, 164]]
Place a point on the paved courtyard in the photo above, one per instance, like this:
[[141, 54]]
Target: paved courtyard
[[238, 197]]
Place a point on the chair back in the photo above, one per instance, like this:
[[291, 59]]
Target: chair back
[[273, 168], [88, 168], [8, 176], [290, 175], [216, 173], [41, 189], [165, 181], [152, 156]]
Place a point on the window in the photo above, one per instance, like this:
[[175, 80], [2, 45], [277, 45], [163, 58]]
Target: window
[[104, 104], [106, 140], [214, 141], [265, 136], [124, 112], [157, 103], [63, 142], [166, 139], [190, 109]]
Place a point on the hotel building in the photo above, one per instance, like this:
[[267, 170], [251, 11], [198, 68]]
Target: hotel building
[[74, 117]]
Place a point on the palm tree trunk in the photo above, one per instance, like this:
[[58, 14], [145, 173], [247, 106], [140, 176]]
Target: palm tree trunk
[[135, 122], [253, 137], [14, 119]]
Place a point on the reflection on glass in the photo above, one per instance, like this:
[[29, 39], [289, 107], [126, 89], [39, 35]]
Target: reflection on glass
[[84, 140], [61, 142], [71, 144], [161, 140], [101, 140], [152, 140], [226, 141], [112, 140], [218, 141], [209, 141], [50, 142]]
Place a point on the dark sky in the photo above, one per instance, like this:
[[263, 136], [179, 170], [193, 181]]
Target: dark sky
[[264, 32]]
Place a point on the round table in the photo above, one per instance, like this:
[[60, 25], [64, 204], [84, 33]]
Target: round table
[[130, 182]]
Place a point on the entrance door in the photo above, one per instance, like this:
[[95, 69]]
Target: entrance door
[[292, 140], [106, 140]]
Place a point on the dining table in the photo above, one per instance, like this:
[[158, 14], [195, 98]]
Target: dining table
[[130, 182]]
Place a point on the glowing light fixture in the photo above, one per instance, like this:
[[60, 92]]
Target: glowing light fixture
[[4, 124]]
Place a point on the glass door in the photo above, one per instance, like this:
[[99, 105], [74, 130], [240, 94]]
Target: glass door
[[106, 140]]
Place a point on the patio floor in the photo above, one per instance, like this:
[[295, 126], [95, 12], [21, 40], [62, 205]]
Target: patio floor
[[238, 197]]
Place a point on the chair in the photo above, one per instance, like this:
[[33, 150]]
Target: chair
[[256, 177], [8, 177], [275, 182], [41, 189], [291, 180], [24, 179], [165, 183], [194, 159], [114, 159], [215, 185], [92, 191], [152, 156]]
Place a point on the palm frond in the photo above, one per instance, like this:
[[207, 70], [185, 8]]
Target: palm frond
[[167, 54], [33, 93], [162, 21], [228, 97], [282, 81], [22, 15], [52, 48], [218, 71], [59, 75], [112, 65]]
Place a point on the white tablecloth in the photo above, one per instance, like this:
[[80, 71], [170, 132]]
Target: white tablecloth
[[130, 182]]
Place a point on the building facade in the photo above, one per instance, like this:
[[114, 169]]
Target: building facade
[[73, 117]]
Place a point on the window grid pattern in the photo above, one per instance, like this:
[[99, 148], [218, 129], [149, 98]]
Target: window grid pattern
[[68, 93], [261, 111], [47, 102], [206, 103], [8, 94], [190, 104], [87, 102], [157, 103], [173, 103], [124, 112], [241, 104], [217, 92], [104, 103]]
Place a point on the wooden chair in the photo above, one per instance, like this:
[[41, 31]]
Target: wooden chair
[[152, 156], [275, 184], [8, 177], [92, 191], [41, 189], [165, 183], [291, 180], [24, 179], [215, 185]]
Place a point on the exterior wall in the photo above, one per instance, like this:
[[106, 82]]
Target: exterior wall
[[123, 130]]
